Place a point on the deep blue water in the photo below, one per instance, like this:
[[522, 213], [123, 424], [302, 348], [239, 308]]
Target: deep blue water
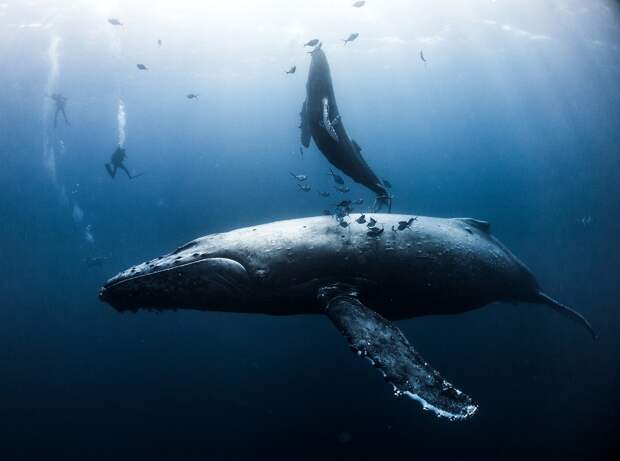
[[515, 119]]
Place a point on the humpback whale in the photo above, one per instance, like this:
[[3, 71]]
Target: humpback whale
[[321, 121], [362, 280]]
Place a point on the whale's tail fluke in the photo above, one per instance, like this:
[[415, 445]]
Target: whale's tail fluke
[[566, 311], [383, 201]]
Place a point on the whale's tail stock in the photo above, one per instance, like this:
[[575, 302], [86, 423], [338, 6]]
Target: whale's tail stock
[[542, 298], [383, 201], [383, 198]]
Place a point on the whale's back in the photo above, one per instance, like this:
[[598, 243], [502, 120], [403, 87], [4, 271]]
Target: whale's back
[[436, 265]]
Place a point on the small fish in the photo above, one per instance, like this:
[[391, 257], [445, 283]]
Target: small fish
[[142, 67], [301, 152], [291, 70], [192, 96], [422, 56], [343, 223], [375, 232], [159, 43], [359, 4], [341, 212], [337, 178], [115, 22], [402, 225], [351, 37], [327, 213], [304, 188], [343, 189], [387, 183], [299, 177], [361, 219], [345, 204], [359, 201], [371, 222], [324, 194], [313, 42]]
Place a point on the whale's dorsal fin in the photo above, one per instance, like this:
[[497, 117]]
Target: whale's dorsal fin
[[377, 339], [356, 145], [305, 126], [478, 224]]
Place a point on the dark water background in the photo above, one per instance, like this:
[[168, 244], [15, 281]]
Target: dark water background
[[515, 119]]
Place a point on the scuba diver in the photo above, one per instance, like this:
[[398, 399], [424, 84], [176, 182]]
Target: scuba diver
[[116, 162], [61, 103]]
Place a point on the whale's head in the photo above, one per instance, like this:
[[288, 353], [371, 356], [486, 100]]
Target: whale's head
[[319, 73], [186, 278]]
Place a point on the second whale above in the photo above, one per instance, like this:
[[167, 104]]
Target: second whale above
[[321, 121]]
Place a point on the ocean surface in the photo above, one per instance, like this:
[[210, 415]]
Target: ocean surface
[[514, 118]]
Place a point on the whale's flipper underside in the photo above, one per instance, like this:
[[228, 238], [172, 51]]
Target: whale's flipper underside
[[373, 337], [305, 127]]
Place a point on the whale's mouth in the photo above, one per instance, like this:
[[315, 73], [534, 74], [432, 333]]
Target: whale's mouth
[[206, 283]]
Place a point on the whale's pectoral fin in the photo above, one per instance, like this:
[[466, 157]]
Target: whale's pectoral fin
[[326, 123], [373, 337], [305, 126]]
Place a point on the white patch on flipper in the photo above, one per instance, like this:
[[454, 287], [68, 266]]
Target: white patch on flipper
[[469, 409], [327, 124]]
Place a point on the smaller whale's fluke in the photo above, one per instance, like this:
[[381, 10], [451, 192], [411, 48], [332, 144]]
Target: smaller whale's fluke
[[383, 200], [566, 312]]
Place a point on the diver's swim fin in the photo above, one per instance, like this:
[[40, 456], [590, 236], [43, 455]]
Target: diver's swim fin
[[136, 175], [375, 338], [109, 169], [566, 311]]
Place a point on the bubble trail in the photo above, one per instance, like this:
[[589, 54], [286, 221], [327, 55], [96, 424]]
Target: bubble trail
[[122, 121], [53, 55]]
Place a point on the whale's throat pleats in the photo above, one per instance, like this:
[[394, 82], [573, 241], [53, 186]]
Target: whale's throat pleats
[[375, 338]]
